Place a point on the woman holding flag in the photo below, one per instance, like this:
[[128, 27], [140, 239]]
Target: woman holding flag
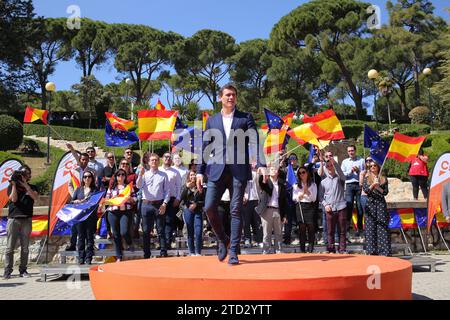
[[121, 199], [86, 228]]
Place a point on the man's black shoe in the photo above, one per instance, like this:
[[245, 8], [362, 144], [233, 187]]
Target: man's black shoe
[[24, 274], [233, 259], [70, 248], [7, 276], [223, 249]]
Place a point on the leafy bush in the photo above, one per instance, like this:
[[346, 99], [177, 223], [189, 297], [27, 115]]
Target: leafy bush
[[420, 115], [11, 133]]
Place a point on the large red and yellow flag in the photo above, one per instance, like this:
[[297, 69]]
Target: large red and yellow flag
[[404, 148], [122, 197], [119, 123], [156, 124], [32, 115], [160, 106], [328, 122], [205, 116], [311, 133], [275, 139]]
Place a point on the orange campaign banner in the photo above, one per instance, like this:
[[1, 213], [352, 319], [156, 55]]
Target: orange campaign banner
[[60, 190], [6, 170], [437, 199]]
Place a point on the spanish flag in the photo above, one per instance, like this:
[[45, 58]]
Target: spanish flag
[[119, 123], [160, 106], [39, 226], [328, 122], [75, 181], [407, 218], [404, 148], [156, 124], [121, 198], [275, 140], [32, 115], [311, 133], [205, 116]]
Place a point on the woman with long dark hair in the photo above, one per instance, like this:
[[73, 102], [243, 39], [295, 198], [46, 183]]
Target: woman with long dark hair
[[305, 195], [86, 228], [119, 217], [378, 237], [192, 202]]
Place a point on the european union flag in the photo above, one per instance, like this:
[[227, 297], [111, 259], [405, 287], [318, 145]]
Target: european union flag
[[179, 124], [311, 153], [378, 147], [274, 121], [77, 212], [189, 139], [61, 229], [118, 138], [291, 177]]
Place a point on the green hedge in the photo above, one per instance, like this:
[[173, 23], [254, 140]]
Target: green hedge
[[11, 133], [6, 155], [44, 181], [97, 136]]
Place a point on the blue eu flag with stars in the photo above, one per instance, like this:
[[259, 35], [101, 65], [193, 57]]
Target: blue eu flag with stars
[[118, 138], [378, 147], [274, 121]]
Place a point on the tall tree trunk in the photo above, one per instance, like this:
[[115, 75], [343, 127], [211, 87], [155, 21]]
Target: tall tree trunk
[[403, 100], [416, 83], [357, 97]]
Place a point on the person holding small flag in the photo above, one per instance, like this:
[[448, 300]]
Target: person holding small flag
[[120, 199], [86, 229]]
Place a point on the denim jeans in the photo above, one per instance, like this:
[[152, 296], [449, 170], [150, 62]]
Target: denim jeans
[[169, 223], [291, 218], [215, 190], [194, 224], [148, 215], [120, 223]]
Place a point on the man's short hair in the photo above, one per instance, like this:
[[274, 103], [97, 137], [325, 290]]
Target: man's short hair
[[351, 146], [90, 148], [228, 86], [84, 154]]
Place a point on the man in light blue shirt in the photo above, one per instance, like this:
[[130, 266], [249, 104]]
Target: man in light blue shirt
[[352, 166], [155, 197]]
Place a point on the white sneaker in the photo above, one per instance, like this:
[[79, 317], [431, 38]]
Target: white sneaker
[[265, 252], [260, 244], [278, 252]]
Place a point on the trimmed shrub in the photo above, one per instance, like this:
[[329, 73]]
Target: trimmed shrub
[[11, 133], [420, 115]]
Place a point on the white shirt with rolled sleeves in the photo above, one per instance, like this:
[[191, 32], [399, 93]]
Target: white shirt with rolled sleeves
[[154, 186], [312, 197], [174, 181], [273, 202], [348, 164]]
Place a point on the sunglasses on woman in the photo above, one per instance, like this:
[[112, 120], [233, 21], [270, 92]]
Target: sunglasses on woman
[[302, 172], [84, 177], [121, 174]]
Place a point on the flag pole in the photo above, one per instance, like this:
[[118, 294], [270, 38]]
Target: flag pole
[[55, 132], [442, 237]]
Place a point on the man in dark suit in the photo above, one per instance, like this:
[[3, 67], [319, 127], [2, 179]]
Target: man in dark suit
[[230, 139]]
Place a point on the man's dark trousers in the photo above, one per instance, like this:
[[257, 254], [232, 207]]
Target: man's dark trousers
[[215, 190]]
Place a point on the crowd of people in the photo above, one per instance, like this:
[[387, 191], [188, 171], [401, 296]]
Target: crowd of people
[[165, 198]]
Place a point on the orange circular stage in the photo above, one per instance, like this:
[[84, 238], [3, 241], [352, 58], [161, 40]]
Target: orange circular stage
[[257, 277]]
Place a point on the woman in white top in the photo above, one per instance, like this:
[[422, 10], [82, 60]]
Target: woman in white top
[[305, 194]]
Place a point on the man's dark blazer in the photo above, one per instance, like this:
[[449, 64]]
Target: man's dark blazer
[[214, 169], [266, 193]]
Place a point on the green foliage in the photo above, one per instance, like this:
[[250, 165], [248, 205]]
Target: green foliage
[[420, 115], [396, 169], [7, 155], [44, 181], [11, 133]]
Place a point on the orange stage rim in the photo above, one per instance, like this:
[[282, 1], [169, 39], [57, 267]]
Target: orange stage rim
[[257, 277]]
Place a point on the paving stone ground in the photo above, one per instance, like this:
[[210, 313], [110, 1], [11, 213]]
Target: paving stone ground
[[426, 285]]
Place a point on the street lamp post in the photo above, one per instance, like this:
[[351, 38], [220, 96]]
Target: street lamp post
[[372, 75], [50, 87], [427, 73]]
